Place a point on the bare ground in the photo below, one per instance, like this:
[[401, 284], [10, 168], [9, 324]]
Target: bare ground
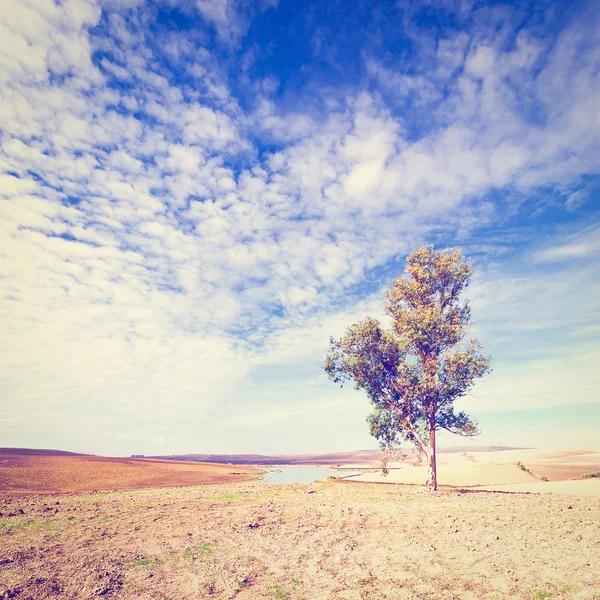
[[322, 540], [25, 471], [582, 487]]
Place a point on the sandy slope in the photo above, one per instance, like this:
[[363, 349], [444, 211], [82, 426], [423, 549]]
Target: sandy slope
[[495, 468]]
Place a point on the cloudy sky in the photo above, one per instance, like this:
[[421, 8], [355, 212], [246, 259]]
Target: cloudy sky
[[195, 196]]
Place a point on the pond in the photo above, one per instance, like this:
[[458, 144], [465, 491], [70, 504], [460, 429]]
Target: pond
[[301, 474]]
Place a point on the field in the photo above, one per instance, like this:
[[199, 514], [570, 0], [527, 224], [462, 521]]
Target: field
[[526, 468], [218, 535], [324, 540], [23, 470]]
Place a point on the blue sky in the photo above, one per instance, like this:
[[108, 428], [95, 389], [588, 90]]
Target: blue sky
[[195, 196]]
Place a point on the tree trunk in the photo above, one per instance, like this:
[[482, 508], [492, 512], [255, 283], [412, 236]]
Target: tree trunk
[[431, 484]]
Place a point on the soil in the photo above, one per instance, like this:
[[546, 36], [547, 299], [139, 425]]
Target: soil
[[581, 487], [51, 471], [324, 540]]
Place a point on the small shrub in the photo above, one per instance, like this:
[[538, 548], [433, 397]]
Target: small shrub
[[528, 471], [591, 475], [542, 594]]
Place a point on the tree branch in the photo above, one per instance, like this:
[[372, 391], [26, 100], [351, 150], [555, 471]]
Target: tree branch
[[459, 433]]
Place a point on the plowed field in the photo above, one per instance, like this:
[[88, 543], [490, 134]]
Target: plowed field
[[51, 471]]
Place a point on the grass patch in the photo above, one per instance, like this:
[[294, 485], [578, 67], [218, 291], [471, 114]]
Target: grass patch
[[279, 593], [16, 526], [591, 475], [194, 552], [222, 497], [542, 594], [142, 562]]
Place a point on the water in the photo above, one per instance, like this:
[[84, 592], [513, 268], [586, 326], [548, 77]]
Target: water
[[295, 474]]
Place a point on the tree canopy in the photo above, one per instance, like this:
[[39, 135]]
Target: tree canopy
[[413, 372]]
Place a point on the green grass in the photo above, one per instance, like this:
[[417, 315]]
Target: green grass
[[542, 594], [235, 496], [201, 550], [16, 526], [142, 562], [279, 593]]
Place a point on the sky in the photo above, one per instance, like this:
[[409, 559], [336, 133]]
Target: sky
[[194, 196]]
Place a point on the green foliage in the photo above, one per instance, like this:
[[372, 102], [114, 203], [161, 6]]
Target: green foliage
[[591, 475], [413, 373], [542, 594]]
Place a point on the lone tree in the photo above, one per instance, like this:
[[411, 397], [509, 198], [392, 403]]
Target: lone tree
[[414, 372]]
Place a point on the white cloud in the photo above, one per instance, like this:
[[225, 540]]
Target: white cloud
[[13, 186], [537, 384], [583, 244], [231, 17], [576, 200]]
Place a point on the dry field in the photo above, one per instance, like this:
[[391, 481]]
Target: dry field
[[468, 469], [323, 540], [23, 470]]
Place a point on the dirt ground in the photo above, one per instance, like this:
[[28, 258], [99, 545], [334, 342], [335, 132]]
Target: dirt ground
[[52, 471], [322, 540]]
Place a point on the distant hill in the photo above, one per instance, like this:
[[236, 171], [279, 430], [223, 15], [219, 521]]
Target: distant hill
[[38, 452], [368, 456], [480, 449], [284, 459], [333, 458]]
